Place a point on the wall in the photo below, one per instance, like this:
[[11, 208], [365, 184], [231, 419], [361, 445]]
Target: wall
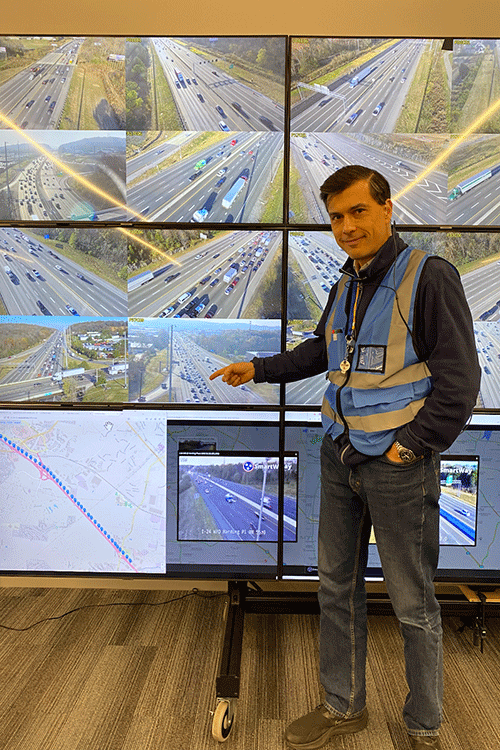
[[206, 17]]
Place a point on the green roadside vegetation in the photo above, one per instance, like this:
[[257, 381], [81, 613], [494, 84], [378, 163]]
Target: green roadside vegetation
[[252, 73], [477, 93], [466, 251], [101, 250], [164, 114], [114, 391], [426, 108], [297, 202], [166, 246], [97, 87], [477, 154], [194, 514], [266, 301], [273, 199], [22, 54], [301, 304]]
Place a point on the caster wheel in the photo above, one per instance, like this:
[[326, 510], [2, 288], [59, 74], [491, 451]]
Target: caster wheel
[[222, 722]]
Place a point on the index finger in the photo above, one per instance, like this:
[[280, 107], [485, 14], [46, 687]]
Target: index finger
[[216, 373]]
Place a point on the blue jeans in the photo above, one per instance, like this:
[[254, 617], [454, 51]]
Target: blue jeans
[[401, 501]]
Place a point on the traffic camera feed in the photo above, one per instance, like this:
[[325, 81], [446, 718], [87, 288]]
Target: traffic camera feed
[[233, 496], [427, 119]]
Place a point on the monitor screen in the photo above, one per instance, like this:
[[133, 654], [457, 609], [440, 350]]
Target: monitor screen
[[233, 496], [469, 503], [425, 117], [83, 492]]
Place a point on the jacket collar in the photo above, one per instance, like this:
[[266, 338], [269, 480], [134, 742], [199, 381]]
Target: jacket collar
[[381, 261]]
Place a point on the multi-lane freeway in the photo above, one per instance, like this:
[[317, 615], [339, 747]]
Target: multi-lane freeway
[[372, 105], [201, 274], [36, 280], [237, 511], [187, 192], [318, 155], [35, 97], [209, 99]]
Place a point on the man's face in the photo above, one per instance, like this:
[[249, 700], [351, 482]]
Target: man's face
[[359, 224]]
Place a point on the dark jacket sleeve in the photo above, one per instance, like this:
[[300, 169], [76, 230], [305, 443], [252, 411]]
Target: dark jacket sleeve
[[445, 336]]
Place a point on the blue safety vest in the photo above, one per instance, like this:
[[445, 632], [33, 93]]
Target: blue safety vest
[[386, 384]]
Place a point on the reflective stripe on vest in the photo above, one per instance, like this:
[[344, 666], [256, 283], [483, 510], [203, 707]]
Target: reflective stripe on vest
[[387, 384]]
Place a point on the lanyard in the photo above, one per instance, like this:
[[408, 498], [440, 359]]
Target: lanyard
[[351, 332]]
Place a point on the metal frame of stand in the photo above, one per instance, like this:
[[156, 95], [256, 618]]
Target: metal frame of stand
[[248, 597]]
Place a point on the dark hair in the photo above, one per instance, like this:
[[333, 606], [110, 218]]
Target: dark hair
[[347, 176]]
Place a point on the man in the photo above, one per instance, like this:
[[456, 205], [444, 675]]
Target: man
[[397, 340]]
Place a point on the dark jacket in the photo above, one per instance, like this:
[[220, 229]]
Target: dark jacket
[[443, 336]]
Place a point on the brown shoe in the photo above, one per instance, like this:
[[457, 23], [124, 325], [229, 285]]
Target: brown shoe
[[423, 742], [314, 730]]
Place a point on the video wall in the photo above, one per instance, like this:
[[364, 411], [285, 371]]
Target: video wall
[[160, 218], [201, 494]]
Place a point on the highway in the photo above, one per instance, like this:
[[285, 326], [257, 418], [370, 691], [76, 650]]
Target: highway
[[187, 381], [201, 272], [204, 87], [177, 192], [481, 205], [371, 106], [318, 155], [236, 511], [41, 281], [34, 98], [457, 520]]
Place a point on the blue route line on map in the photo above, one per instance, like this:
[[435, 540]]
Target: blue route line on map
[[74, 500]]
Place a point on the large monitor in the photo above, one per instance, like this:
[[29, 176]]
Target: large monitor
[[469, 502]]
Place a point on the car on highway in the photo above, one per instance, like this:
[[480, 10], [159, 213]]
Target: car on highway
[[200, 215], [36, 273], [194, 81], [30, 103], [42, 307], [224, 127], [48, 98], [167, 311], [211, 311], [52, 106], [378, 109], [229, 498], [194, 176], [234, 142], [352, 118], [71, 310], [172, 277], [200, 97], [221, 171], [267, 122], [205, 279], [214, 282], [60, 268], [220, 110], [323, 102]]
